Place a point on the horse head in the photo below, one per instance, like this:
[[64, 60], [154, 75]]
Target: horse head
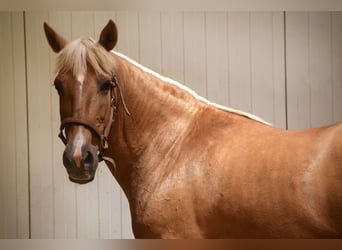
[[85, 82]]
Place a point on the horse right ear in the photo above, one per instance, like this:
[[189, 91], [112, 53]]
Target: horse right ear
[[109, 36], [56, 41]]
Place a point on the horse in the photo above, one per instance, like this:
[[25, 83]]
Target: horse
[[191, 168]]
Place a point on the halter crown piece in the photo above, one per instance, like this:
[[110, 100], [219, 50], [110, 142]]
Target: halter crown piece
[[102, 136]]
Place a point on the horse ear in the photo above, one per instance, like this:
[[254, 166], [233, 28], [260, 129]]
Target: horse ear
[[56, 41], [109, 36]]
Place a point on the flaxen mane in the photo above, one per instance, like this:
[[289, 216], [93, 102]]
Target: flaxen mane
[[178, 85]]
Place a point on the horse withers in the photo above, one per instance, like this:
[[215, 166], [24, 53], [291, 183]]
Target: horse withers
[[191, 168]]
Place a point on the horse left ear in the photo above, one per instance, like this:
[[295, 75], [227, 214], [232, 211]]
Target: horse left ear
[[109, 36]]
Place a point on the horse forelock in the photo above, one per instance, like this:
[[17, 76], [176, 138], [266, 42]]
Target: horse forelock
[[82, 53]]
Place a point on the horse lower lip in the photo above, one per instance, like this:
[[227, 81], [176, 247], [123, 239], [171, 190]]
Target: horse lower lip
[[80, 177], [81, 181]]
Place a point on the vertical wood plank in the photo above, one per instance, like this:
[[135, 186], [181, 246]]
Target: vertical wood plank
[[195, 52], [21, 139], [217, 61], [337, 65], [262, 67], [109, 190], [320, 63], [109, 205], [239, 61], [172, 45], [101, 18], [40, 127], [298, 79], [8, 180], [128, 28], [150, 40], [279, 89], [6, 114], [82, 24], [9, 112]]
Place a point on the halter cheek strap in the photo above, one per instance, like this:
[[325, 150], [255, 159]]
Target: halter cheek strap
[[103, 137]]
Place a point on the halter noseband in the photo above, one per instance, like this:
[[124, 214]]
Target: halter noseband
[[103, 137]]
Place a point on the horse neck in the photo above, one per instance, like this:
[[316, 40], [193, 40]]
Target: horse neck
[[160, 115]]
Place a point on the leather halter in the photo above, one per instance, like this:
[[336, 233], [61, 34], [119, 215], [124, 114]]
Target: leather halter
[[103, 137]]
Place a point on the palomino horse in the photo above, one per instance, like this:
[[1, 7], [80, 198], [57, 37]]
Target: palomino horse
[[190, 168]]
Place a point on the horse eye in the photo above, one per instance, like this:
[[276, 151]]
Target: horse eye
[[58, 86], [105, 86]]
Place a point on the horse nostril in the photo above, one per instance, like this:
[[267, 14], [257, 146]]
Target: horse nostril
[[87, 157], [88, 160], [67, 160]]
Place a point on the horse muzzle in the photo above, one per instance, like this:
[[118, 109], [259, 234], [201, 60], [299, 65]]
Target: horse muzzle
[[81, 163]]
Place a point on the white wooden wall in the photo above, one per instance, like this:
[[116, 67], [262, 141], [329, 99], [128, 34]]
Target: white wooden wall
[[284, 67]]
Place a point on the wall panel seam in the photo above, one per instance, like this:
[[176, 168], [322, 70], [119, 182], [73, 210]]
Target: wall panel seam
[[285, 73], [332, 67], [27, 126], [14, 122]]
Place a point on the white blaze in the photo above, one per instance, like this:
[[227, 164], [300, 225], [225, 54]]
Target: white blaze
[[80, 79], [80, 140]]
